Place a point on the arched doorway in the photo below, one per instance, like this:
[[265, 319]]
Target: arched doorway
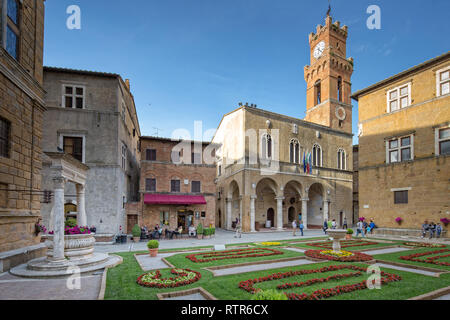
[[70, 210], [315, 206], [291, 215], [219, 219], [233, 206], [271, 216]]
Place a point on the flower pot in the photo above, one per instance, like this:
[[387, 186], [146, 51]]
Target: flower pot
[[199, 236], [348, 236], [153, 252], [136, 239]]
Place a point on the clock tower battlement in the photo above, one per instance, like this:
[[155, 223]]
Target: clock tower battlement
[[328, 77]]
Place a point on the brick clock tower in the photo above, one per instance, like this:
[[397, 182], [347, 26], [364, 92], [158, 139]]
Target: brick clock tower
[[328, 78]]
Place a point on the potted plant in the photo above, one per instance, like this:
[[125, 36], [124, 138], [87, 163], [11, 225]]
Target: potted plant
[[153, 246], [348, 235], [445, 221], [199, 231], [136, 232], [398, 220], [207, 233]]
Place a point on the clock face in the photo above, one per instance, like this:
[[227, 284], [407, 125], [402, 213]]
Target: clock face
[[318, 50]]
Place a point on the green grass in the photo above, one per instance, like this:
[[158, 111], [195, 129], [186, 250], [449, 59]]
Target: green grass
[[121, 283], [395, 257], [181, 261]]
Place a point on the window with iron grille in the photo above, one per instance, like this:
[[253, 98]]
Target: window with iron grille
[[74, 147], [5, 136], [175, 186], [401, 197], [196, 186], [11, 16], [150, 184], [150, 155]]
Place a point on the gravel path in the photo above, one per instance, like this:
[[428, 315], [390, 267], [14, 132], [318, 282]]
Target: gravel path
[[382, 251], [426, 273]]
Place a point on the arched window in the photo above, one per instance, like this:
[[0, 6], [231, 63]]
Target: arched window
[[318, 92], [339, 89], [317, 156], [294, 151], [341, 160], [266, 146]]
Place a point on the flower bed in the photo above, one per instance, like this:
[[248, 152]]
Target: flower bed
[[344, 244], [184, 278], [233, 254], [424, 244], [74, 230], [325, 255], [269, 243], [431, 260], [248, 285]]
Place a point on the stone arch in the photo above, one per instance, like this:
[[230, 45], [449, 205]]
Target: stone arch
[[316, 196], [267, 191]]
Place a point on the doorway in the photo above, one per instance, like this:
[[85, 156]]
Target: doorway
[[132, 220], [291, 215], [271, 217], [185, 219]]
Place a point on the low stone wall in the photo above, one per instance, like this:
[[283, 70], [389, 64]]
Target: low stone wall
[[13, 258], [403, 232]]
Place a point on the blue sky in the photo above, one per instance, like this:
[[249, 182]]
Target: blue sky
[[191, 60]]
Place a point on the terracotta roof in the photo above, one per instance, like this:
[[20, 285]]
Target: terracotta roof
[[84, 72], [400, 75]]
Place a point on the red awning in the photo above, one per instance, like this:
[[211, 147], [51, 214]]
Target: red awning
[[173, 199]]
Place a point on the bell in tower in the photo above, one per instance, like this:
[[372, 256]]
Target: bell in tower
[[328, 77]]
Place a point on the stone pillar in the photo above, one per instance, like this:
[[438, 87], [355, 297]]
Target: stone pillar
[[252, 213], [81, 217], [279, 212], [325, 209], [305, 212], [58, 220], [229, 203]]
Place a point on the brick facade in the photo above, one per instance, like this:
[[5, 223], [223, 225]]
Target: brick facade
[[22, 105], [164, 170]]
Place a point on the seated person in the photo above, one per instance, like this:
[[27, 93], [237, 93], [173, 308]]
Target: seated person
[[192, 231]]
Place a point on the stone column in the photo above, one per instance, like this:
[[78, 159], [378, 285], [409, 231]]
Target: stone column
[[305, 212], [279, 212], [229, 203], [252, 213], [81, 217], [58, 220], [325, 209]]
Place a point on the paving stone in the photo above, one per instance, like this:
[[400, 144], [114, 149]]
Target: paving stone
[[259, 267], [387, 250], [418, 271]]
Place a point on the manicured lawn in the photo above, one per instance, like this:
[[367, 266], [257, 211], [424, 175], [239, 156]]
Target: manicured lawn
[[181, 261], [121, 282], [395, 257], [355, 248]]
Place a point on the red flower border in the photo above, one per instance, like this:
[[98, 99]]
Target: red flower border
[[357, 256], [248, 285], [431, 260], [424, 245], [344, 244], [233, 254], [197, 277]]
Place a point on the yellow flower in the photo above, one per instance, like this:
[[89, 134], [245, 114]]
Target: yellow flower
[[270, 243], [340, 254]]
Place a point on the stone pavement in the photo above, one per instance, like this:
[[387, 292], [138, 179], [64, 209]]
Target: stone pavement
[[221, 237]]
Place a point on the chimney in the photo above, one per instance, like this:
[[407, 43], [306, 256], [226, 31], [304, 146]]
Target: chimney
[[127, 83]]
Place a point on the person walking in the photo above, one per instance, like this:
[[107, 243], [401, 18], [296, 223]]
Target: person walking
[[438, 230], [238, 229], [301, 226], [325, 226], [424, 229], [359, 228], [294, 227], [333, 224], [371, 226], [344, 225]]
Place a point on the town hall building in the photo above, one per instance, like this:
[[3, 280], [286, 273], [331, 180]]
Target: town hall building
[[273, 169]]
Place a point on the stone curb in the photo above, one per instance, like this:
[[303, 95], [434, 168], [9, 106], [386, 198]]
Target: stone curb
[[405, 265], [432, 295], [203, 292], [101, 295]]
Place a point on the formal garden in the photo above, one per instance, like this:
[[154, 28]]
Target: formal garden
[[307, 269]]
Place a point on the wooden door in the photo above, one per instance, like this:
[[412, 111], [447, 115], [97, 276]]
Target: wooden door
[[132, 220]]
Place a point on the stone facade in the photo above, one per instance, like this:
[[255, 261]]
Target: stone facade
[[422, 173], [22, 107], [108, 125], [355, 185], [163, 169], [265, 184]]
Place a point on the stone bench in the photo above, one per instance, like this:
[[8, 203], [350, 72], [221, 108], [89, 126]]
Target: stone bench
[[403, 232], [13, 258]]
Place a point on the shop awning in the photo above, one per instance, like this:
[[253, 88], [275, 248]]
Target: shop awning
[[173, 199]]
